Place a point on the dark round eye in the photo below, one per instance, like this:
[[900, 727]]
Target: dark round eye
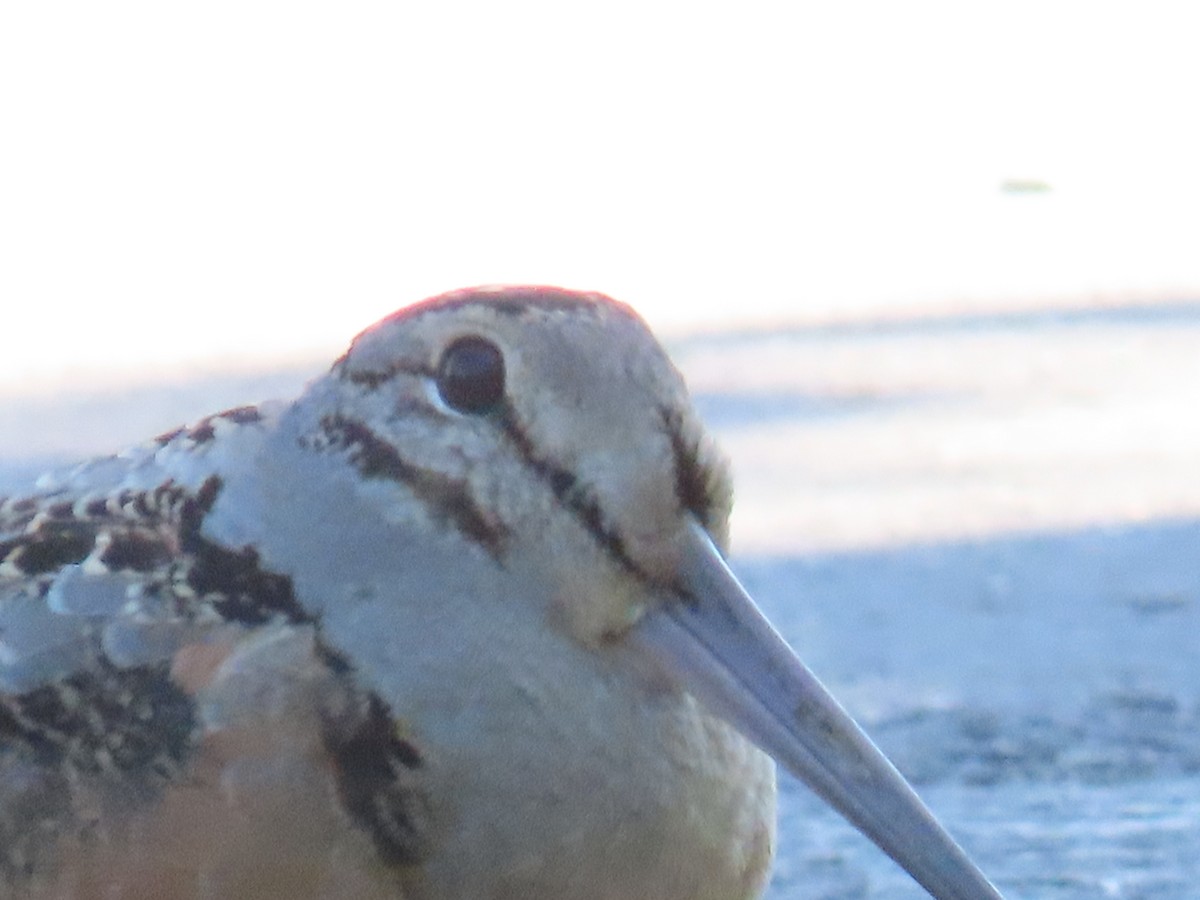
[[470, 376]]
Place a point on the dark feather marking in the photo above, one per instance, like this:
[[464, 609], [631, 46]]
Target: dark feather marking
[[368, 378], [692, 487], [95, 507], [103, 720], [568, 490], [238, 588], [376, 777], [159, 506], [202, 432], [63, 509], [193, 509], [447, 499], [158, 532], [130, 729], [16, 514], [372, 379], [65, 532], [377, 771], [333, 659], [167, 436], [136, 550], [205, 430], [48, 548], [242, 415]]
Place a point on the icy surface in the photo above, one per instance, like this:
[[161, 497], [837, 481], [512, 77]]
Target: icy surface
[[1053, 723]]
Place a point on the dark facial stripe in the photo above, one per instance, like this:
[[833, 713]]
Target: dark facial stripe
[[372, 379], [569, 491], [691, 482], [368, 378], [447, 499]]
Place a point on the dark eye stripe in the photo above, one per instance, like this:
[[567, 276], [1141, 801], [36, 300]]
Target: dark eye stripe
[[447, 499]]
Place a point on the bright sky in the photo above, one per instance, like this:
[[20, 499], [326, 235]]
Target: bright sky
[[221, 183]]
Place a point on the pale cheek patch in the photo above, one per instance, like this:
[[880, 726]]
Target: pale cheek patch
[[594, 610]]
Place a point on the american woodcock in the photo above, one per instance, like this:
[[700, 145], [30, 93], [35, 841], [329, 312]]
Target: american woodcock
[[454, 624]]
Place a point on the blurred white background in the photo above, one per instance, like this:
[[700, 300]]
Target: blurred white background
[[240, 184], [201, 204]]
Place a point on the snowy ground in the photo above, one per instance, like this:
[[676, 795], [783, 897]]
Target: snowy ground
[[981, 530]]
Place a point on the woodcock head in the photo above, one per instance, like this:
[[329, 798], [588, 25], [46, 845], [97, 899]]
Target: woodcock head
[[567, 449]]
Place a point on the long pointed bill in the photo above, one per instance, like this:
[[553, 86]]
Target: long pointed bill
[[730, 658]]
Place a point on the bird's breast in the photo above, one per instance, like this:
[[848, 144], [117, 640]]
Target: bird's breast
[[552, 771]]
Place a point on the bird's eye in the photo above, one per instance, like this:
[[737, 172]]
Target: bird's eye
[[470, 376]]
